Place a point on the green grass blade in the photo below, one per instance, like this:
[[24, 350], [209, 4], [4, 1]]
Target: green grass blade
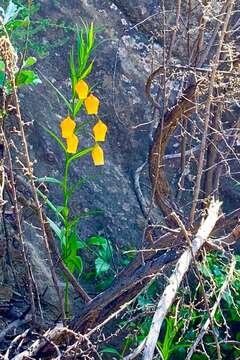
[[50, 204], [80, 154]]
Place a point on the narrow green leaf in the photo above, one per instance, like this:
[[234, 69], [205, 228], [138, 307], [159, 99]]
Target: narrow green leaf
[[79, 264], [2, 65], [82, 54], [57, 230], [2, 78], [80, 154], [88, 70], [54, 136], [90, 37], [79, 50], [50, 204], [48, 179], [106, 252], [84, 123], [85, 214], [70, 265], [110, 350], [14, 24], [72, 71], [77, 107]]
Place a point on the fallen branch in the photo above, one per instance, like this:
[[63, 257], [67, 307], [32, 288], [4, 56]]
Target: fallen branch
[[170, 291]]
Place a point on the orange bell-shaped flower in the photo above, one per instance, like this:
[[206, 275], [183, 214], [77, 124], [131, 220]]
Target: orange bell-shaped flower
[[67, 126], [72, 144], [98, 155], [82, 89], [92, 105], [100, 130]]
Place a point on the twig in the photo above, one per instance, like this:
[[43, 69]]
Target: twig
[[214, 309], [55, 337], [20, 231], [18, 338], [139, 194]]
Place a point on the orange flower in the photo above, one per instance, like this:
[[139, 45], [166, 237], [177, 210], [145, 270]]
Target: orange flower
[[98, 155], [67, 127], [100, 130], [72, 144], [92, 105], [82, 89]]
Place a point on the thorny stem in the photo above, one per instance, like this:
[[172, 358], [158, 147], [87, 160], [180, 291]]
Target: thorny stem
[[4, 146], [34, 190], [20, 232]]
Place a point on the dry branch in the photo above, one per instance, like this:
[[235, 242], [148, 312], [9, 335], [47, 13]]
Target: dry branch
[[181, 268]]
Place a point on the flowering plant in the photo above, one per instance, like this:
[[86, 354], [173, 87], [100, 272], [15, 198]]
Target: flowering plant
[[81, 98]]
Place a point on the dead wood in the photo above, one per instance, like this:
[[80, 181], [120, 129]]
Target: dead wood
[[181, 268], [123, 289]]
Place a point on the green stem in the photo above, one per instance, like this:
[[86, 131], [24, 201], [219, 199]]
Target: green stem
[[67, 308], [65, 216], [65, 183]]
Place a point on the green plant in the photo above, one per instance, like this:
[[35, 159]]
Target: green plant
[[81, 65], [38, 29], [10, 25]]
